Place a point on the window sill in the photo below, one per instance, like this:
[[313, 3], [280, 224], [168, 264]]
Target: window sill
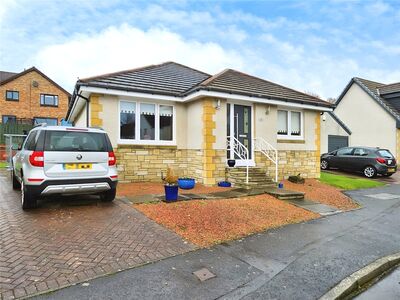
[[291, 141], [44, 105], [146, 143]]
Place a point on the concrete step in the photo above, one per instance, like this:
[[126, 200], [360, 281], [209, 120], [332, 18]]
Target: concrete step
[[283, 194], [252, 185]]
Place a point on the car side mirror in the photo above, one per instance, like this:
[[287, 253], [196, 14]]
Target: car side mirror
[[16, 147]]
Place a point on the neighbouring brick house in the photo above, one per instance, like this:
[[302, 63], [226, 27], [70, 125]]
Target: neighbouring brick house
[[31, 96], [172, 115]]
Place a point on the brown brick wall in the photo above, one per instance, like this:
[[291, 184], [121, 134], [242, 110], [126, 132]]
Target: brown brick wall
[[28, 105]]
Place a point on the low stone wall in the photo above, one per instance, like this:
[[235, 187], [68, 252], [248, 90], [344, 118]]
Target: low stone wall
[[137, 163], [147, 163], [305, 163]]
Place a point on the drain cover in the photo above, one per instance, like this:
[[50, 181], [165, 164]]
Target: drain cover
[[384, 196], [204, 274]]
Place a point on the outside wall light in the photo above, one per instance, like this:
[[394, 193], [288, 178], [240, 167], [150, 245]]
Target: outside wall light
[[218, 104], [267, 110]]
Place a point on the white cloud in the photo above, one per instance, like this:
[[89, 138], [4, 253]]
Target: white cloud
[[125, 47]]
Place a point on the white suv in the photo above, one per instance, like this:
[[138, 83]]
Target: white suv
[[64, 160]]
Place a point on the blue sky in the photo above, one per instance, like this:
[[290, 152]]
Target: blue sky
[[313, 46]]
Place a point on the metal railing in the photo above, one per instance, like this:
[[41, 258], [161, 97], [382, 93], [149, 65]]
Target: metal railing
[[234, 145], [12, 142], [269, 151]]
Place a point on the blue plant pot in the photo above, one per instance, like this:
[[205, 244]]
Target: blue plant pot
[[224, 184], [171, 193], [280, 185], [186, 183]]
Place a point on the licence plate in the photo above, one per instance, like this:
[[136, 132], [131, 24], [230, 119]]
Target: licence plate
[[391, 170], [77, 166]]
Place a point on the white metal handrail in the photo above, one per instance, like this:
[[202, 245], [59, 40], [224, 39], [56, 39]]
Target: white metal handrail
[[269, 151], [234, 145]]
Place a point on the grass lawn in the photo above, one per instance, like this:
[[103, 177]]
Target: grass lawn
[[348, 183], [208, 222], [3, 164]]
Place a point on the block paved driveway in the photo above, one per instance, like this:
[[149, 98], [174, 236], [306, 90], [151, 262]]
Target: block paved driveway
[[69, 240]]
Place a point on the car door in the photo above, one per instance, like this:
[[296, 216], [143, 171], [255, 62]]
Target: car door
[[23, 152], [359, 159], [343, 158]]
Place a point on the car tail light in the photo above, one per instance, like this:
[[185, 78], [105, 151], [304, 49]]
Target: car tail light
[[36, 159], [111, 159], [381, 160]]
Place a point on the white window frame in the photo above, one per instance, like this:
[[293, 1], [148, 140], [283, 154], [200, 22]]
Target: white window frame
[[289, 136], [137, 140]]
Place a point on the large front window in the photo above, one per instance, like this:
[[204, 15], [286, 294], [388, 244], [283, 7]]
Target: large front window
[[146, 123], [289, 124]]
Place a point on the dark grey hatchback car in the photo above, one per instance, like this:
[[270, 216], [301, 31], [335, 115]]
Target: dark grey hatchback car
[[369, 161]]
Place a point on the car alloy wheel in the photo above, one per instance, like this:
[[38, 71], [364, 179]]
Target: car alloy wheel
[[324, 164], [369, 172]]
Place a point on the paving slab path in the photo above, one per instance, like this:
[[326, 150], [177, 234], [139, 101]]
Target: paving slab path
[[300, 261]]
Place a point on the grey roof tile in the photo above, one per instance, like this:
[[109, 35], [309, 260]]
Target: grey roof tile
[[168, 79], [4, 75]]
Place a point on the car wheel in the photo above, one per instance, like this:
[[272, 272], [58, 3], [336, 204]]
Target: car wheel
[[109, 195], [27, 200], [15, 183], [369, 172], [324, 164]]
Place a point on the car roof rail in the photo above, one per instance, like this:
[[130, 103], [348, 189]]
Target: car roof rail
[[96, 127], [40, 125]]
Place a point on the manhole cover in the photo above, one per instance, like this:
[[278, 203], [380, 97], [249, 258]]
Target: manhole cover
[[383, 196], [204, 274]]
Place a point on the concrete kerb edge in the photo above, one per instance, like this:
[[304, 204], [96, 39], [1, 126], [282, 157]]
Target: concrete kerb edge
[[361, 277]]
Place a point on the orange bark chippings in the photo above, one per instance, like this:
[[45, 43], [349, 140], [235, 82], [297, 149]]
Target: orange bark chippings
[[208, 222]]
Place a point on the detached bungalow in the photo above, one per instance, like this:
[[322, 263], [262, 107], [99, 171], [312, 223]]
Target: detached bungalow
[[170, 114]]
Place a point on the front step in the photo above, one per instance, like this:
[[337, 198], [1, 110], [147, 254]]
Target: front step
[[257, 177], [283, 194]]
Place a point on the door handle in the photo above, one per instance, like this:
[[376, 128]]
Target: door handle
[[243, 135]]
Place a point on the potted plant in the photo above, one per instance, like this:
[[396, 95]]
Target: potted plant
[[171, 186], [225, 183], [186, 183]]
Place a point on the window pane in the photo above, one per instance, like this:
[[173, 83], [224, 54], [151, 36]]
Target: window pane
[[166, 116], [282, 122], [147, 121], [48, 121], [9, 119], [15, 95], [345, 151], [75, 141], [295, 123], [127, 120]]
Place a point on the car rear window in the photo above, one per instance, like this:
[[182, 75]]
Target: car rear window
[[75, 141], [385, 153]]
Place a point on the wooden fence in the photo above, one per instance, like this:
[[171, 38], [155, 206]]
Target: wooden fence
[[13, 128]]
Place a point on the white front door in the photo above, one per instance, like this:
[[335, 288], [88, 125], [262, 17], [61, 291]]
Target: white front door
[[239, 125]]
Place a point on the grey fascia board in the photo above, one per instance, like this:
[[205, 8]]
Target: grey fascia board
[[340, 122]]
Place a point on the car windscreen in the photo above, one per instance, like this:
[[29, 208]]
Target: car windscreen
[[385, 153], [75, 141]]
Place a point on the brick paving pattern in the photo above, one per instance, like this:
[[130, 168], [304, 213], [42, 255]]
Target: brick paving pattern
[[61, 244]]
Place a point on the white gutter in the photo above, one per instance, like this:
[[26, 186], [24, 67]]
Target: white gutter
[[196, 95]]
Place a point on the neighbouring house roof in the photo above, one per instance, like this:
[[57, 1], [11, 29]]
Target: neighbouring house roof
[[373, 89], [173, 79], [389, 88], [32, 69], [4, 75]]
